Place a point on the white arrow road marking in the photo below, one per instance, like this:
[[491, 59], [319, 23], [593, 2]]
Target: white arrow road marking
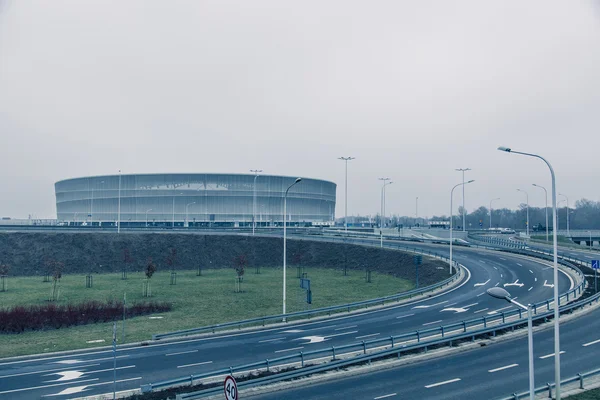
[[551, 285], [320, 339], [459, 309], [71, 390], [66, 375], [481, 284], [92, 384], [515, 283]]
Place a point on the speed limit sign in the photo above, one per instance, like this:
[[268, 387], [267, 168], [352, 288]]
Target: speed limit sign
[[230, 388]]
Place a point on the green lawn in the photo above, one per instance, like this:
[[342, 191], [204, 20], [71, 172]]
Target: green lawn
[[197, 301]]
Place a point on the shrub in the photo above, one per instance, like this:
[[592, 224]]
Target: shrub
[[51, 316]]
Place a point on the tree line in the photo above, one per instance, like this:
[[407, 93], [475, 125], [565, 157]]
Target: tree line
[[585, 215]]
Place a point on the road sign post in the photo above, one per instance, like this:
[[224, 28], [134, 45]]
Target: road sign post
[[230, 388], [595, 267]]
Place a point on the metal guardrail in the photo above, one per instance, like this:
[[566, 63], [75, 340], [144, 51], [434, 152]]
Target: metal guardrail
[[395, 348], [419, 336], [549, 386], [324, 310]]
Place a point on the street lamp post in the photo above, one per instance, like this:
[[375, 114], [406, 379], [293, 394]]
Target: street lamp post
[[527, 199], [119, 206], [382, 219], [451, 218], [497, 198], [546, 209], [346, 159], [417, 210], [463, 195], [256, 172], [501, 293], [186, 213], [147, 211], [556, 298], [568, 211], [284, 239]]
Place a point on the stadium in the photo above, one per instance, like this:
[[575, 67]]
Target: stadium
[[194, 200]]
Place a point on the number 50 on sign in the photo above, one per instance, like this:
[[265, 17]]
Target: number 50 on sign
[[230, 388]]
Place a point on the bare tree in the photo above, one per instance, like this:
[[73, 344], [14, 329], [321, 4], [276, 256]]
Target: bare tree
[[150, 270], [240, 263]]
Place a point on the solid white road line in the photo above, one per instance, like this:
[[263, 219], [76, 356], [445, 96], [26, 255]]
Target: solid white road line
[[365, 336], [503, 368], [384, 396], [271, 340], [434, 322], [550, 355], [404, 316], [292, 349], [482, 310], [181, 352], [442, 383], [346, 327], [591, 343], [193, 365]]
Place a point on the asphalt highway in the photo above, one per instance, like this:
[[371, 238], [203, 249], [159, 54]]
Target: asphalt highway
[[494, 371], [90, 372]]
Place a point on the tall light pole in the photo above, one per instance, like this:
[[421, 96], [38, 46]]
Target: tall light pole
[[501, 293], [256, 172], [568, 211], [119, 206], [451, 218], [284, 238], [527, 199], [463, 195], [346, 159], [556, 298], [417, 210], [186, 213], [497, 198], [147, 211], [385, 182], [546, 208]]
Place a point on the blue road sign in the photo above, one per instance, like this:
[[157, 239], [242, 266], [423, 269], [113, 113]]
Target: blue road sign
[[596, 264]]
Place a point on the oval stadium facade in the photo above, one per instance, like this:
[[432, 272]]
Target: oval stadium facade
[[194, 200]]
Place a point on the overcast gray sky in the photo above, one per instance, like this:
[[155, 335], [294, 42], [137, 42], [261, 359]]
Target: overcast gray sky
[[412, 89]]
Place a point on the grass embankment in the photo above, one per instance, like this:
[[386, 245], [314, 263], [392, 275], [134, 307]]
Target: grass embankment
[[197, 301]]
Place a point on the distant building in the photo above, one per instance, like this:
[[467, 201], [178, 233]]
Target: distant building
[[439, 224], [194, 200]]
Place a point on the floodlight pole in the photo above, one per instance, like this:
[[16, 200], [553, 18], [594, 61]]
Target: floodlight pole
[[256, 172], [451, 218], [346, 159], [555, 246], [284, 239], [119, 206], [463, 195]]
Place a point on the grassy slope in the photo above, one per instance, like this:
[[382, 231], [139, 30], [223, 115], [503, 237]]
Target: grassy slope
[[197, 301]]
